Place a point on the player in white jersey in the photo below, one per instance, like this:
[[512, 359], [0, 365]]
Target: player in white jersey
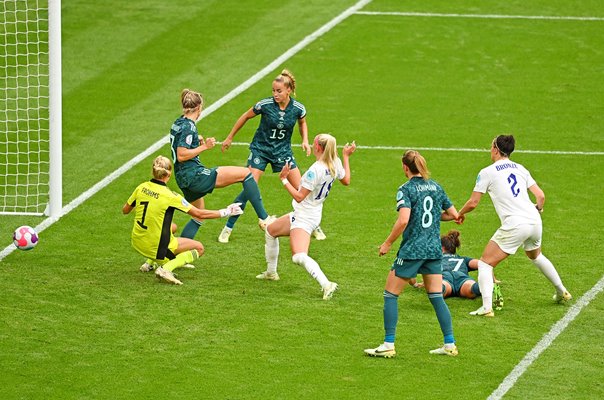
[[308, 206], [508, 183]]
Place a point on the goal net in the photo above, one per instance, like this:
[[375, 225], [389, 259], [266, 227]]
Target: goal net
[[25, 108]]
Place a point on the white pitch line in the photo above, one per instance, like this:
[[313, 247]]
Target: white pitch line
[[481, 16], [215, 106], [546, 341], [464, 150]]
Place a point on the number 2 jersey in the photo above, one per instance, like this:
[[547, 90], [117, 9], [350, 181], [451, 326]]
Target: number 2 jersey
[[421, 238], [154, 205], [318, 180], [507, 183], [273, 137]]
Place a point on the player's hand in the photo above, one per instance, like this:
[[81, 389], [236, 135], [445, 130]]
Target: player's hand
[[384, 248], [460, 219], [349, 148], [226, 144], [210, 142], [232, 209], [285, 170], [306, 148]]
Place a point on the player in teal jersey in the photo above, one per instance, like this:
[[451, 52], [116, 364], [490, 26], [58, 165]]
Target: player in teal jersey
[[273, 138], [152, 234], [456, 280], [420, 203], [196, 180]]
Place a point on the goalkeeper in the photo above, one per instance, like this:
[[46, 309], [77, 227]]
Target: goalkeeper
[[152, 234]]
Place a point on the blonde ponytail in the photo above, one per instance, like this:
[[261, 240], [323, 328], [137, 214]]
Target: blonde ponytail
[[330, 151]]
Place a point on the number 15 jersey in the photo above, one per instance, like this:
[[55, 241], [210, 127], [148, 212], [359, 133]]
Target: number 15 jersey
[[507, 183], [273, 138]]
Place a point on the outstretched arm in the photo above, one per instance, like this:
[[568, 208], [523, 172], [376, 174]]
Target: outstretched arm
[[246, 116], [232, 209]]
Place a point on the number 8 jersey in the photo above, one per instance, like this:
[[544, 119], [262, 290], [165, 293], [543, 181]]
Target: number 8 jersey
[[507, 183], [421, 238]]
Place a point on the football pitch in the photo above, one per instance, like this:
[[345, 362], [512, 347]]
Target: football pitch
[[79, 321]]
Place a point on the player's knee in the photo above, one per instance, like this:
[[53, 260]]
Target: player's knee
[[200, 249], [298, 258]]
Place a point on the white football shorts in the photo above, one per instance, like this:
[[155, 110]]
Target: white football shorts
[[510, 239], [304, 221]]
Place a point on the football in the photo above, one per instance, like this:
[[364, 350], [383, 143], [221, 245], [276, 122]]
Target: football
[[25, 237]]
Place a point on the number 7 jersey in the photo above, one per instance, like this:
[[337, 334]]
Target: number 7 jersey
[[507, 183]]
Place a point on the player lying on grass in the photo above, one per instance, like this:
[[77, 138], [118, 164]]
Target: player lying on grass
[[456, 280], [308, 209], [152, 235]]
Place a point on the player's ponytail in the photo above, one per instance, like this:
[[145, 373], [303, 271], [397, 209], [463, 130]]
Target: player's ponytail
[[416, 163], [450, 241], [190, 100], [162, 167], [330, 151]]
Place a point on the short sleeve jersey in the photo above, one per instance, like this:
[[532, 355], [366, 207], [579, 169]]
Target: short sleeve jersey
[[273, 138], [318, 180], [184, 134], [507, 183], [154, 205], [455, 263], [427, 200]]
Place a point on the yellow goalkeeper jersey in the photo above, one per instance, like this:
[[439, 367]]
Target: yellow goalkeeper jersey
[[154, 205]]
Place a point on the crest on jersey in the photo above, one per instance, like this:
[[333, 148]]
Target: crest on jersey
[[189, 139], [310, 175], [281, 114], [256, 160]]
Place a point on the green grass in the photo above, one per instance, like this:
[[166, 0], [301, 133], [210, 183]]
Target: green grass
[[78, 321]]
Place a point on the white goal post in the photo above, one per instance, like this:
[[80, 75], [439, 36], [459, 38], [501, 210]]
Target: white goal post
[[30, 108]]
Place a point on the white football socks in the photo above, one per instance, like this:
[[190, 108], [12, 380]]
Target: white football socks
[[312, 267], [485, 282], [547, 268], [271, 252]]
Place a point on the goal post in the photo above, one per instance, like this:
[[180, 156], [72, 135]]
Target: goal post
[[30, 107]]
